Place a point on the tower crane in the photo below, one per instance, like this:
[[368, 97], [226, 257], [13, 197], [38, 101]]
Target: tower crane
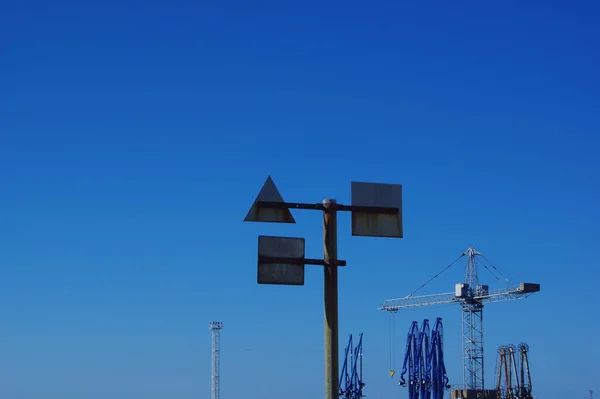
[[472, 296]]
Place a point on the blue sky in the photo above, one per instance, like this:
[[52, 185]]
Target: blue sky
[[134, 136]]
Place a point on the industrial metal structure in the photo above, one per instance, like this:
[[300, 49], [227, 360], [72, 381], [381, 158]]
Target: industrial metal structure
[[439, 377], [351, 383], [216, 327], [424, 362], [513, 378], [472, 296]]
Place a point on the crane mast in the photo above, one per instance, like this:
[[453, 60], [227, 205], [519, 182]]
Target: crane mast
[[472, 296], [472, 326]]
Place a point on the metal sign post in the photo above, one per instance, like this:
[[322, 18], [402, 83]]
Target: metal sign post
[[376, 211], [330, 295]]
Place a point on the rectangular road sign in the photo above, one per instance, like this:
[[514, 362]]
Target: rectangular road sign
[[281, 273], [269, 193], [377, 195]]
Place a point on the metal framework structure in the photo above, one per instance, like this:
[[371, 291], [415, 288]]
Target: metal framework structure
[[351, 383], [507, 378], [513, 378], [216, 327], [472, 296], [472, 327], [526, 387], [424, 362], [439, 376]]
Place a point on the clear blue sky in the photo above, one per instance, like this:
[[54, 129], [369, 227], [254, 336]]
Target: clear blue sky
[[134, 135]]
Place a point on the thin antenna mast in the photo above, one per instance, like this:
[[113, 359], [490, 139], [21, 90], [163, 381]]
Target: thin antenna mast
[[216, 327]]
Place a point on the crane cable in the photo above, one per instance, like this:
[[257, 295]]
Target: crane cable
[[491, 272], [437, 275], [392, 343], [504, 276]]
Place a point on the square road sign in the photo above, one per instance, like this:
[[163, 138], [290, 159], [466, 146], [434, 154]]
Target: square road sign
[[281, 273]]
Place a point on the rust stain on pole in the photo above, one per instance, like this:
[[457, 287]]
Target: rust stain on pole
[[330, 298]]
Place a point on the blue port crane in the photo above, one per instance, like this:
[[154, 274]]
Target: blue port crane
[[411, 362], [351, 383], [439, 377], [424, 362]]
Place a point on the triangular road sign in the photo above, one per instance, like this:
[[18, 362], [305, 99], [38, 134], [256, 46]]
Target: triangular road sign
[[269, 193]]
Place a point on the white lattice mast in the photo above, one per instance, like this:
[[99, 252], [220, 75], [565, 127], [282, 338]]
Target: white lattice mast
[[472, 326], [216, 327]]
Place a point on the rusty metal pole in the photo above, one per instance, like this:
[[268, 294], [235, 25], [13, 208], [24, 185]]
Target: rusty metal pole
[[331, 298]]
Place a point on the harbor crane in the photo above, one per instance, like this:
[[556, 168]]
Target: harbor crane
[[351, 382], [513, 376], [424, 362], [472, 296]]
